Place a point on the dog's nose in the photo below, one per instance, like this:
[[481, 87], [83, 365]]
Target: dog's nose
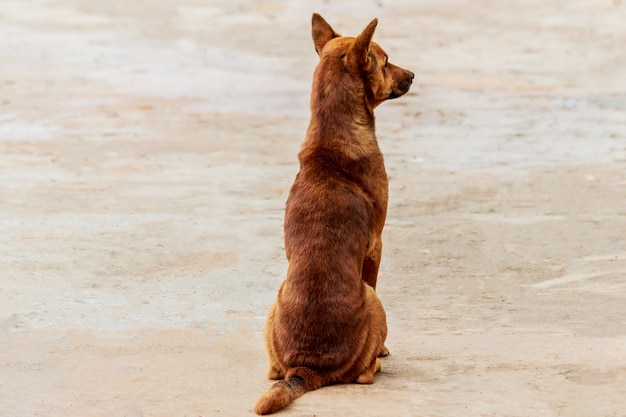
[[411, 75]]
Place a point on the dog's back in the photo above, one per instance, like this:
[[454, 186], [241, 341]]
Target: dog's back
[[326, 233]]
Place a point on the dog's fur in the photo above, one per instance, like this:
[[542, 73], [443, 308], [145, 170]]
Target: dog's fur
[[327, 325]]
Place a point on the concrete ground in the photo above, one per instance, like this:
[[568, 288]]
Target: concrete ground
[[146, 152]]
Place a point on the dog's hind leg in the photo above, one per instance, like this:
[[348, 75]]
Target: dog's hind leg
[[274, 371]]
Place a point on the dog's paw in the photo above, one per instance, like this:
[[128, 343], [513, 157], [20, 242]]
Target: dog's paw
[[367, 377], [275, 374], [384, 352]]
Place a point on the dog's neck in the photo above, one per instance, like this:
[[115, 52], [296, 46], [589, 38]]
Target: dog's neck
[[341, 114]]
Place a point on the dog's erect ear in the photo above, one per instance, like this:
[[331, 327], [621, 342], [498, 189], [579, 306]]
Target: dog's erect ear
[[360, 50], [322, 32], [358, 58]]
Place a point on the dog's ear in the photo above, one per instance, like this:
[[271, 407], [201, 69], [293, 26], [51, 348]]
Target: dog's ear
[[322, 32], [361, 47]]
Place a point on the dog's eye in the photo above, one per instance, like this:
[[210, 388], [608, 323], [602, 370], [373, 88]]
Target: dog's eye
[[386, 60]]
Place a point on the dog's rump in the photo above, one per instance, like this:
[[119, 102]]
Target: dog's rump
[[323, 343]]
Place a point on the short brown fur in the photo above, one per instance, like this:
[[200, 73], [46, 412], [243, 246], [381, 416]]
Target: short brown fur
[[327, 325]]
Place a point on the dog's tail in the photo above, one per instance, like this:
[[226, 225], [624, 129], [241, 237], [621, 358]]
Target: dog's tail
[[297, 382]]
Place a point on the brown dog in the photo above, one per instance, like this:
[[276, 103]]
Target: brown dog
[[327, 325]]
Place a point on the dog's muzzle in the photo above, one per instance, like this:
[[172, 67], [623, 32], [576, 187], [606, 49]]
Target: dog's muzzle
[[403, 86]]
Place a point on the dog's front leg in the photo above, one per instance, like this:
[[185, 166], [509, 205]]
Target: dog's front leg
[[369, 272]]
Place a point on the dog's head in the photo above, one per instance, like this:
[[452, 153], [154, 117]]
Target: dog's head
[[364, 59]]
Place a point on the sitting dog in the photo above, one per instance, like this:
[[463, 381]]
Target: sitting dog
[[327, 325]]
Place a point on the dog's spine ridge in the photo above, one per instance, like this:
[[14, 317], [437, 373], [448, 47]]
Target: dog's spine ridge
[[298, 382]]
